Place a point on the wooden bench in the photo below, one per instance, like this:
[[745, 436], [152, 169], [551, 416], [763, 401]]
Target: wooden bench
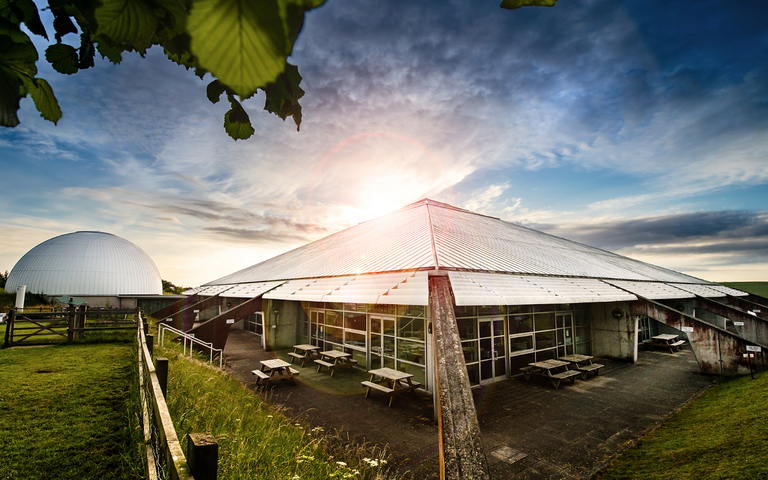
[[556, 378], [297, 355], [389, 391], [676, 345], [265, 379], [585, 369], [323, 363], [527, 371]]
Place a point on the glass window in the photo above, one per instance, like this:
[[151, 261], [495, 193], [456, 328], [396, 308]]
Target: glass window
[[471, 353], [355, 307], [389, 346], [411, 310], [410, 351], [467, 328], [581, 317], [520, 344], [519, 309], [464, 311], [582, 334], [382, 309], [485, 329], [545, 340], [375, 325], [473, 372], [334, 335], [486, 310], [415, 370], [389, 326], [520, 323], [355, 321], [355, 339], [543, 321], [519, 361], [546, 354], [412, 328], [360, 357]]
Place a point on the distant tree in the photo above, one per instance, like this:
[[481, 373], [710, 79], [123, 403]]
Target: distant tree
[[243, 44], [168, 287], [3, 279]]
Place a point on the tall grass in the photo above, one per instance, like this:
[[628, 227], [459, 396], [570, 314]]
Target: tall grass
[[722, 435], [254, 440]]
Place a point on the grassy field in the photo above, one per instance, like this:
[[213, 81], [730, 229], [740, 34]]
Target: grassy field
[[722, 435], [67, 412], [255, 441], [757, 288]]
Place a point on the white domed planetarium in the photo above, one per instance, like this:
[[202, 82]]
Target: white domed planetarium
[[101, 268]]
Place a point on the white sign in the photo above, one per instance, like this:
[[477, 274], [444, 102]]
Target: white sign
[[687, 329], [753, 348], [757, 310], [195, 311], [230, 320], [738, 324]]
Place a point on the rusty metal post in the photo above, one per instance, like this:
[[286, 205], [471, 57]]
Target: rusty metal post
[[203, 456], [462, 455]]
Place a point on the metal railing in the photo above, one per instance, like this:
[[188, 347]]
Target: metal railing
[[161, 328]]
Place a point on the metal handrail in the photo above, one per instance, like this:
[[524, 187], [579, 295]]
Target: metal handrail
[[161, 328]]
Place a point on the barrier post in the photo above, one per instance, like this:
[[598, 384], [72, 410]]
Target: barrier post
[[203, 456]]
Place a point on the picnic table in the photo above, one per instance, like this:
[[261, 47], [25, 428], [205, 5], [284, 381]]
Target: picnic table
[[667, 340], [391, 382], [582, 363], [554, 370], [303, 352], [274, 370], [333, 359]]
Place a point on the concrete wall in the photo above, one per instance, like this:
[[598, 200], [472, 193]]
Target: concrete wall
[[613, 337], [281, 320]]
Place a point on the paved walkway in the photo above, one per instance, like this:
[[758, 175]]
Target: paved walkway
[[530, 430]]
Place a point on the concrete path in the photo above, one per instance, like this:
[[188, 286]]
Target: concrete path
[[530, 430]]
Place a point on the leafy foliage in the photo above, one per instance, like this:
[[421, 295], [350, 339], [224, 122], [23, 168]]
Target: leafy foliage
[[3, 279], [169, 287], [244, 44]]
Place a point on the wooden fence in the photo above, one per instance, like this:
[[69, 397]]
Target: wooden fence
[[165, 459], [64, 325]]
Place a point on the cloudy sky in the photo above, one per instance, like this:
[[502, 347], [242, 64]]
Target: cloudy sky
[[636, 126]]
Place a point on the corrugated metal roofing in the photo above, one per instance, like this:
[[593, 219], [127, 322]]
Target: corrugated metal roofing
[[249, 290], [213, 290], [652, 290], [729, 291], [474, 288], [87, 264], [428, 235], [700, 290], [389, 289]]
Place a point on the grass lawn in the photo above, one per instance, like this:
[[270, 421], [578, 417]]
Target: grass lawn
[[255, 442], [722, 435], [66, 412]]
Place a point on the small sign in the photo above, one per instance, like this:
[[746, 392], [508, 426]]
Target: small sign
[[687, 329], [757, 310], [195, 311], [753, 348], [230, 321], [738, 324]]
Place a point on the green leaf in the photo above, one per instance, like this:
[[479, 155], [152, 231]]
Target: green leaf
[[31, 17], [174, 19], [45, 101], [109, 52], [62, 57], [241, 42], [10, 96], [17, 51], [513, 4], [236, 121], [127, 22], [214, 91], [86, 53], [62, 24], [283, 95]]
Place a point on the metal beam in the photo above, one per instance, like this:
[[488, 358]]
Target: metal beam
[[216, 330], [749, 305], [462, 456], [174, 308], [753, 329], [718, 351]]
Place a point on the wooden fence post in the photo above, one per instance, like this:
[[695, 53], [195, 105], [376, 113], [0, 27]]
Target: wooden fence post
[[161, 369], [150, 346], [71, 324], [9, 328], [203, 456]]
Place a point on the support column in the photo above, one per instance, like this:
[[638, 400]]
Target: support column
[[462, 456]]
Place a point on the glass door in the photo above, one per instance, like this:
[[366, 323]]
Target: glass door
[[493, 362], [382, 341], [564, 334]]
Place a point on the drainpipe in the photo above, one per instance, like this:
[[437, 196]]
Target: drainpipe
[[20, 291]]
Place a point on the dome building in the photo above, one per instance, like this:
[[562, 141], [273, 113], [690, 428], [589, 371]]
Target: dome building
[[99, 267]]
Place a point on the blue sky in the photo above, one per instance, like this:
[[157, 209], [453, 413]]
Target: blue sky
[[638, 126]]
